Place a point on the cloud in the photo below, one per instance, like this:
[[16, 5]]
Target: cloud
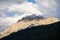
[[25, 7], [6, 3], [6, 22], [48, 7], [12, 1]]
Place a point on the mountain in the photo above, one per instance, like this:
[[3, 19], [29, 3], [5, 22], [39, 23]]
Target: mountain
[[40, 32], [26, 23]]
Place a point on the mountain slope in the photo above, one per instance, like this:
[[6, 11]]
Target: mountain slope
[[23, 24], [44, 32]]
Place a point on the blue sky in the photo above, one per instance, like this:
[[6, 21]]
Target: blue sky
[[33, 1], [13, 10]]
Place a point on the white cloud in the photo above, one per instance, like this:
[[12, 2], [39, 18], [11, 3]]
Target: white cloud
[[12, 1], [47, 3], [25, 7], [47, 7]]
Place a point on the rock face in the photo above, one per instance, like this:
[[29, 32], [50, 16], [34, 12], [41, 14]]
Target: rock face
[[23, 24]]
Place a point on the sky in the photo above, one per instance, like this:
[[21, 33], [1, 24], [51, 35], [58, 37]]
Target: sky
[[13, 10]]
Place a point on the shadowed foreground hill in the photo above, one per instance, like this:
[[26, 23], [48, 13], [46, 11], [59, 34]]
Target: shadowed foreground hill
[[44, 32]]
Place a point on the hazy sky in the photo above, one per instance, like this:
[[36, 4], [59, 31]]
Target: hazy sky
[[12, 10]]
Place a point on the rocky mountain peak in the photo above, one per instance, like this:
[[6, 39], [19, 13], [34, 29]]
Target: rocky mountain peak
[[25, 24]]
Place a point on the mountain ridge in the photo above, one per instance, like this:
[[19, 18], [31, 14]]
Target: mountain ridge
[[25, 24], [40, 32]]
